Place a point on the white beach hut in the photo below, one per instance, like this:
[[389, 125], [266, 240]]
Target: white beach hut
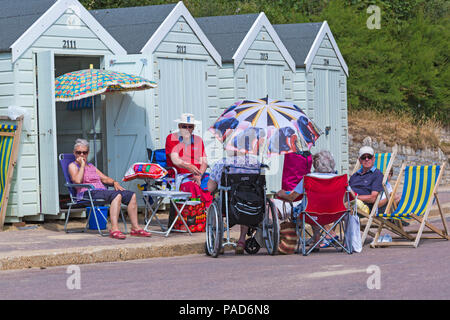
[[40, 40]]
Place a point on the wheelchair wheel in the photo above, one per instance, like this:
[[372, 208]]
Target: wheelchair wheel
[[252, 246], [214, 230], [271, 230]]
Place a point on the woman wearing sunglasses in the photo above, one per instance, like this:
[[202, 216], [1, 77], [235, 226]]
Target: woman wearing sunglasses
[[82, 172]]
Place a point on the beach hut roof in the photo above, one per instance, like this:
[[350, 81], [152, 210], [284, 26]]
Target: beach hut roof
[[303, 41], [298, 39], [227, 32], [141, 29], [133, 26], [17, 16], [235, 34], [22, 22]]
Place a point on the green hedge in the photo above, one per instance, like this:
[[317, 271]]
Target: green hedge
[[403, 66]]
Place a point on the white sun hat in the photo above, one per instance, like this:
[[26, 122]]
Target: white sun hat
[[366, 150], [187, 118]]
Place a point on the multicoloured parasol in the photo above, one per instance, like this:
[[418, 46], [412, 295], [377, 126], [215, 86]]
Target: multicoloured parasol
[[248, 124], [90, 82], [76, 86]]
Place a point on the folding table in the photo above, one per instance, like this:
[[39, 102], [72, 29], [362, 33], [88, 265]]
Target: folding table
[[158, 196]]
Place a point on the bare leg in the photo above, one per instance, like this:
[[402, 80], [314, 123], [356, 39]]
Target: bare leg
[[241, 243], [114, 210], [244, 230], [132, 213]]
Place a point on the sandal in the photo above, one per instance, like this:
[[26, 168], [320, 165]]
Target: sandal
[[117, 235], [140, 233], [239, 248], [327, 242]]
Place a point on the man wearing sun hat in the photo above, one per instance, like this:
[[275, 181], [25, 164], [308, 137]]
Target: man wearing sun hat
[[367, 182], [186, 152]]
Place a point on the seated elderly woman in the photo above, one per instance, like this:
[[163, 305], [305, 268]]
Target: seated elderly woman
[[323, 164], [82, 172]]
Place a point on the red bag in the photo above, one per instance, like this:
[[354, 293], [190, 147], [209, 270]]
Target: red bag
[[194, 215]]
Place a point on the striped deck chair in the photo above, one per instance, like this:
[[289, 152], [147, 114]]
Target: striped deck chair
[[384, 163], [9, 145], [419, 191]]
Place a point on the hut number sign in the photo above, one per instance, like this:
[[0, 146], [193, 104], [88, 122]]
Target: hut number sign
[[69, 44], [181, 49]]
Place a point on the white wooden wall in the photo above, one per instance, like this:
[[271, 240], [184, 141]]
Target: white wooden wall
[[187, 83]]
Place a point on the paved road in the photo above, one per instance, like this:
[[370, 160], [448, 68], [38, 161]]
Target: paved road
[[405, 273]]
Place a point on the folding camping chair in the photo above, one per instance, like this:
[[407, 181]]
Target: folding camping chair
[[325, 205], [9, 147], [159, 156], [64, 160], [384, 163], [419, 191]]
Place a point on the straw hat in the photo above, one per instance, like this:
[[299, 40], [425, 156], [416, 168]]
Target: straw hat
[[187, 118]]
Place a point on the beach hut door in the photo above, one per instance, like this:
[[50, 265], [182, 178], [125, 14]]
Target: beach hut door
[[127, 119], [48, 158]]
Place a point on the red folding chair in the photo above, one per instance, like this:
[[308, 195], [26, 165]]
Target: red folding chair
[[325, 205]]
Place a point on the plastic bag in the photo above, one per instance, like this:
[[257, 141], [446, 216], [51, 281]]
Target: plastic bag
[[14, 112], [353, 233]]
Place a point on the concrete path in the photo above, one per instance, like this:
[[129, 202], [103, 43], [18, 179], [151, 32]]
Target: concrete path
[[47, 245]]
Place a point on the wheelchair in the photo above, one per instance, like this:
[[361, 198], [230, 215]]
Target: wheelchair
[[242, 200]]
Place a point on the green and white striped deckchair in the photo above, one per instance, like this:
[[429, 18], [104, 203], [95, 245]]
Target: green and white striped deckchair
[[384, 163], [419, 191], [9, 143]]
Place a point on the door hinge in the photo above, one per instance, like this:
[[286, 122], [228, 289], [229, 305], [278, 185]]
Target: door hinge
[[206, 76], [159, 74], [246, 78], [314, 82]]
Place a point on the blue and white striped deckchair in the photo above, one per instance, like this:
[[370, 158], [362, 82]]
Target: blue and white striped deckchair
[[384, 163], [9, 143], [419, 191]]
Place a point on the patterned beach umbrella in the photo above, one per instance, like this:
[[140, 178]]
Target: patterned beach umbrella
[[90, 82], [248, 124], [78, 86]]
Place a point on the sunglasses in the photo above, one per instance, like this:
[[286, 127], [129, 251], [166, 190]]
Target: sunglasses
[[367, 157], [81, 152], [185, 126]]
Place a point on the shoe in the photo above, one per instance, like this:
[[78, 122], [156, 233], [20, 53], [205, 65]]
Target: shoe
[[140, 233], [117, 235], [239, 248], [327, 242]]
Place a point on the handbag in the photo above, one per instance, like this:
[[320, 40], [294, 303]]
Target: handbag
[[194, 213], [288, 238]]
